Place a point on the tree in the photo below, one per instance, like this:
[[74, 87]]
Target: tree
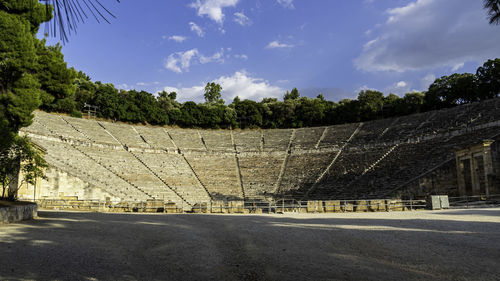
[[212, 93], [493, 8], [488, 77], [371, 103], [293, 95], [248, 112], [19, 89], [21, 156], [452, 90], [55, 78]]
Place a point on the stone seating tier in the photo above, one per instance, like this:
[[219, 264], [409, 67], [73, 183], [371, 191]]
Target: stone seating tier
[[376, 158]]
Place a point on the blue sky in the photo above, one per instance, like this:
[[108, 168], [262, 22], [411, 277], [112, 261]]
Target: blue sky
[[261, 48]]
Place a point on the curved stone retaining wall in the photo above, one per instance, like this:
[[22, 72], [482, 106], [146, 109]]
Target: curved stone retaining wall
[[15, 212]]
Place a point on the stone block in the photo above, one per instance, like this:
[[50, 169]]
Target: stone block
[[218, 207], [377, 205], [332, 206], [236, 207], [315, 207], [170, 208], [394, 205], [347, 206], [361, 206]]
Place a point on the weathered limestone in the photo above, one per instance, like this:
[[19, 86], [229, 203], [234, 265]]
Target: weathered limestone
[[315, 207], [332, 206], [14, 212], [377, 205]]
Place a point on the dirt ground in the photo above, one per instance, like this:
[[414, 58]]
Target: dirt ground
[[423, 245]]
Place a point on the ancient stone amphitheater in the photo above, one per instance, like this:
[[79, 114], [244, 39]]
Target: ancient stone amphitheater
[[407, 156]]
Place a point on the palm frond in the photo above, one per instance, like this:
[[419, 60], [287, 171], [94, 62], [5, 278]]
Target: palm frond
[[493, 8], [67, 14]]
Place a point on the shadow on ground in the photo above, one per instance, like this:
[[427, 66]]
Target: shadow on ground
[[389, 246]]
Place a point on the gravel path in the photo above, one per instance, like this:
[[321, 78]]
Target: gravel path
[[443, 245]]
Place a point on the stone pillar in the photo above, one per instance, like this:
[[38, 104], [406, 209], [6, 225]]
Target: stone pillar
[[460, 176], [476, 190], [488, 165]]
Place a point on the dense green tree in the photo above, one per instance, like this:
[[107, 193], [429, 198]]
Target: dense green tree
[[488, 78], [293, 95], [55, 78], [84, 90], [452, 90], [19, 90], [249, 113], [212, 93], [310, 112], [371, 103]]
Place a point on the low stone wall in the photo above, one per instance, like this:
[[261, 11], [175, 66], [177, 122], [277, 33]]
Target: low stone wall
[[17, 211], [234, 207]]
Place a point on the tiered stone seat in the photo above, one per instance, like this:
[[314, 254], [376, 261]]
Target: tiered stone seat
[[350, 166], [302, 170], [174, 170], [248, 140], [217, 140], [307, 138], [218, 173], [259, 173], [125, 165], [58, 127], [37, 128], [156, 137], [336, 136], [187, 139], [125, 134], [91, 129], [71, 160], [277, 139], [371, 131]]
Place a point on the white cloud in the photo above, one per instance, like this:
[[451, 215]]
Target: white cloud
[[242, 19], [239, 84], [286, 3], [213, 8], [177, 38], [196, 29], [426, 34], [217, 57], [181, 61], [242, 56], [364, 88], [277, 45], [399, 88], [427, 81], [147, 83], [124, 86]]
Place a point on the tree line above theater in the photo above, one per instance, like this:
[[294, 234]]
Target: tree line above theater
[[292, 111]]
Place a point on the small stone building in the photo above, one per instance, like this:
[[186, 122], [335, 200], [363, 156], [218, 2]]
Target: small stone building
[[478, 169]]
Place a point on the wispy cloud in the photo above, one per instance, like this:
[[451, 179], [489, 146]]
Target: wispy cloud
[[181, 61], [241, 56], [277, 45], [242, 19], [196, 29], [425, 34], [213, 8], [286, 3], [177, 38]]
